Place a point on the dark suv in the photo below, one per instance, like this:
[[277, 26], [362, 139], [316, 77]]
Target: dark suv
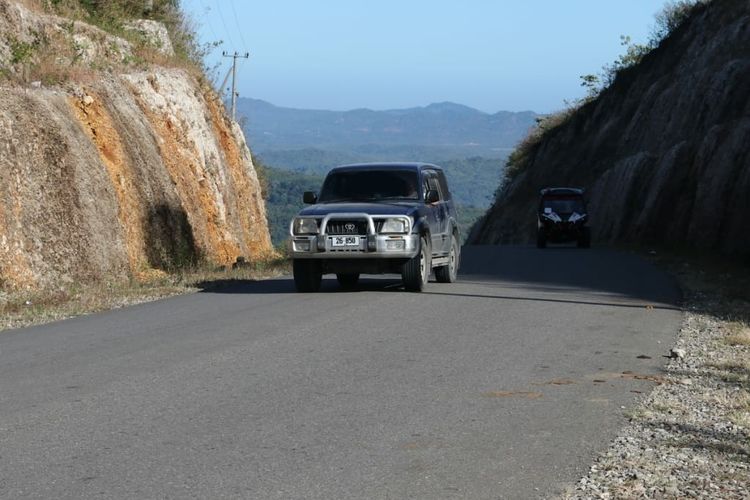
[[377, 218], [563, 217]]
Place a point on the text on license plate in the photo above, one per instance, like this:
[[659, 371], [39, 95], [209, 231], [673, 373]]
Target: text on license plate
[[345, 241]]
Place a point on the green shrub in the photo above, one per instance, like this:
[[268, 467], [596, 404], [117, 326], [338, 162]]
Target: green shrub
[[261, 170], [522, 154], [671, 17], [21, 52]]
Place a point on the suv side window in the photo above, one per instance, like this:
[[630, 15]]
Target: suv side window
[[444, 186], [432, 183], [425, 187]]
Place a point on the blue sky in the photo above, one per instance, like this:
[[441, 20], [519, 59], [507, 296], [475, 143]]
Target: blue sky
[[491, 55]]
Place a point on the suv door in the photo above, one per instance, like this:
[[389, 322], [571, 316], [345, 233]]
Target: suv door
[[449, 210], [440, 214]]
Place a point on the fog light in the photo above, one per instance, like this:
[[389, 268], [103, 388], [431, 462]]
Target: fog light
[[302, 246], [395, 245]]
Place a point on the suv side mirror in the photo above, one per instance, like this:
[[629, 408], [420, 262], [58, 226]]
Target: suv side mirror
[[310, 198], [432, 196]]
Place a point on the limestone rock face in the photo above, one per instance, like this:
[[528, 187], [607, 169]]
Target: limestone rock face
[[155, 33], [121, 177], [662, 153]]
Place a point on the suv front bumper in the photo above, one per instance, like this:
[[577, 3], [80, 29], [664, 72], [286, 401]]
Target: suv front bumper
[[369, 246], [562, 231]]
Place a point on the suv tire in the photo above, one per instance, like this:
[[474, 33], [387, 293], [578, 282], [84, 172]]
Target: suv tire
[[307, 275], [416, 272], [541, 239], [447, 274], [584, 241], [347, 280]]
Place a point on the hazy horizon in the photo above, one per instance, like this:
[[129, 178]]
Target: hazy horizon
[[390, 109], [348, 54]]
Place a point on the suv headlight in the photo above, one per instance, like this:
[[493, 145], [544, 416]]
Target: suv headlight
[[576, 217], [304, 225], [395, 226]]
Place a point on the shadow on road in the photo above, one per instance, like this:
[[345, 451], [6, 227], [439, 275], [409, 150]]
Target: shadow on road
[[597, 270], [600, 273], [286, 285], [559, 301], [386, 285]]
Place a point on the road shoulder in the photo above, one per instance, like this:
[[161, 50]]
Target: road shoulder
[[691, 436]]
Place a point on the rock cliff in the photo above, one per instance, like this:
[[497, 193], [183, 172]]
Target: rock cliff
[[123, 174], [662, 152]]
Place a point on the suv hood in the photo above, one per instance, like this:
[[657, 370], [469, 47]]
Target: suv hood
[[395, 208]]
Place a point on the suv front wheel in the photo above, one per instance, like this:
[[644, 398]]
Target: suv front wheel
[[416, 272], [541, 239], [307, 275]]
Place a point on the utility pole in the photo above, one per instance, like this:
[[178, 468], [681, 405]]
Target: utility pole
[[234, 79]]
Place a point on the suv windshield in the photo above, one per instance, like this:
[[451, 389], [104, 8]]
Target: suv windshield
[[564, 205], [370, 185]]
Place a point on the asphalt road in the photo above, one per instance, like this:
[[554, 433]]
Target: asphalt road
[[503, 385]]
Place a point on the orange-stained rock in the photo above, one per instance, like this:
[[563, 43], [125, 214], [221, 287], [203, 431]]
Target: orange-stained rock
[[135, 182]]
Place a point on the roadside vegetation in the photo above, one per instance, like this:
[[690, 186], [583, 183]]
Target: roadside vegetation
[[670, 18], [55, 58], [33, 307]]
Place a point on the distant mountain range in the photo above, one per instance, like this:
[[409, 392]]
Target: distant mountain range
[[452, 130]]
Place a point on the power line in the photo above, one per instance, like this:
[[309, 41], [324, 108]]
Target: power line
[[237, 23], [221, 16], [206, 10]]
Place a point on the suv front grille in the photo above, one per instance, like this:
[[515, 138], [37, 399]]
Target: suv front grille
[[345, 227]]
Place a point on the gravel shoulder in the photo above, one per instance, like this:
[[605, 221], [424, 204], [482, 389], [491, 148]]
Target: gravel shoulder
[[690, 437]]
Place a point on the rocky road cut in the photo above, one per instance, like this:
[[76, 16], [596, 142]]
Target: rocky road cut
[[505, 384]]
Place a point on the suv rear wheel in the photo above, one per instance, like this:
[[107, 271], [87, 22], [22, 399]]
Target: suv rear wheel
[[416, 272], [584, 240], [307, 275], [447, 274]]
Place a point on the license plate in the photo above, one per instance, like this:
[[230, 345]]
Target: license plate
[[345, 241]]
